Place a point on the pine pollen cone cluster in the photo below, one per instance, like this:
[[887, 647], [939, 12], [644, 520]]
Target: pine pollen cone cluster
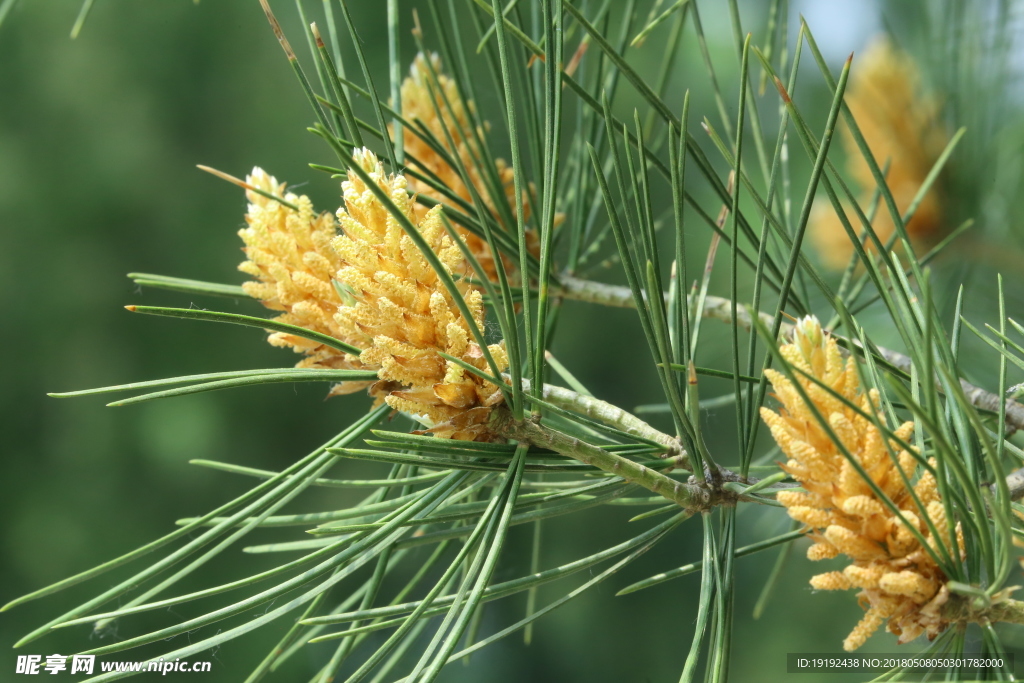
[[898, 578], [902, 128], [431, 100], [369, 285]]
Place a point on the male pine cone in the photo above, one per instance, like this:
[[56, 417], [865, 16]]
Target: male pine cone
[[898, 577], [371, 287]]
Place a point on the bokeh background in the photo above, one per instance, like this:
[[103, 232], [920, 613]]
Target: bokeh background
[[99, 138]]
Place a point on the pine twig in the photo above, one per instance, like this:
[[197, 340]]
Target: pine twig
[[613, 416], [691, 497], [720, 308], [983, 610]]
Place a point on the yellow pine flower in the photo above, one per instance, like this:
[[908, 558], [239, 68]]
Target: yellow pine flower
[[436, 104], [290, 254], [899, 124], [370, 286], [898, 580], [402, 314]]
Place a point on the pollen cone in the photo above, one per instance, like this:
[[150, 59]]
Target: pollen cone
[[402, 314], [901, 126], [370, 286], [290, 255], [898, 579], [431, 98]]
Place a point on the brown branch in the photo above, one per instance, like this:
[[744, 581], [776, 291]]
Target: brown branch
[[719, 308], [980, 398]]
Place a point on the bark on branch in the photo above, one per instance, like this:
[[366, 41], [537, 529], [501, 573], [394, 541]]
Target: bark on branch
[[719, 308]]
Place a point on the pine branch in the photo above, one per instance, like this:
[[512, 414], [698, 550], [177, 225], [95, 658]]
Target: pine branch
[[616, 417], [691, 497], [1015, 483], [983, 609], [979, 398], [720, 308], [715, 307]]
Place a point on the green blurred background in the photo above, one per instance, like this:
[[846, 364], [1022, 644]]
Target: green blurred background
[[99, 138]]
